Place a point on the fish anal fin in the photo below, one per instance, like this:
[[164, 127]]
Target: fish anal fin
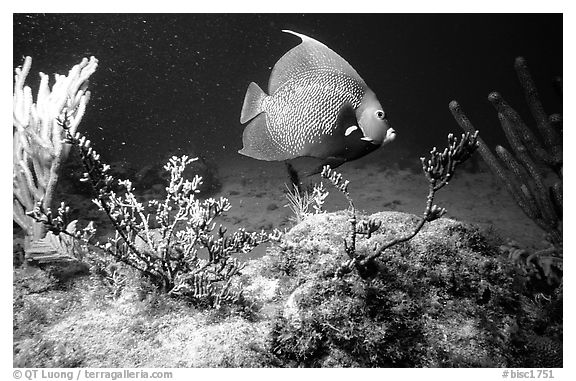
[[252, 102], [258, 143], [333, 162]]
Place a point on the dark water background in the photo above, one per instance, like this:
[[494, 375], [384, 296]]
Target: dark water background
[[169, 82]]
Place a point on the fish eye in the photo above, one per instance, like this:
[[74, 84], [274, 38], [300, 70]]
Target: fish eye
[[380, 114]]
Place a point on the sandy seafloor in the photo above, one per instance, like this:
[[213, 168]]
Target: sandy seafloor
[[257, 192]]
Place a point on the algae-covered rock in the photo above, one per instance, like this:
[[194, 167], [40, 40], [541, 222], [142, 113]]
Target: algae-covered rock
[[444, 298], [86, 327]]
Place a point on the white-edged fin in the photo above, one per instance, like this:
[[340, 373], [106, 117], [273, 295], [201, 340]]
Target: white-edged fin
[[310, 55], [252, 102], [366, 138], [303, 37], [350, 130]]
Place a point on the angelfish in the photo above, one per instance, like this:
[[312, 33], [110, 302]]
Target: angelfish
[[318, 106]]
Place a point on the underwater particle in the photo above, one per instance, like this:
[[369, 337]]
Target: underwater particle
[[318, 107]]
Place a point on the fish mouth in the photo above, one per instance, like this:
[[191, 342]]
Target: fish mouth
[[390, 135]]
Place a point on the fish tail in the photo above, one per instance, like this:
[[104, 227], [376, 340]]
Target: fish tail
[[257, 141], [252, 103]]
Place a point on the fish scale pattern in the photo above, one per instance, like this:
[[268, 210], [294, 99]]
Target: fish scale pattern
[[306, 107]]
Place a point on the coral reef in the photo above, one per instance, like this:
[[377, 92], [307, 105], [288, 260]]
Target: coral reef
[[445, 298], [532, 173], [340, 289], [440, 294], [183, 255], [38, 147]]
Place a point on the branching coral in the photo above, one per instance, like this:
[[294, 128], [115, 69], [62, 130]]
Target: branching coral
[[532, 173], [439, 170], [185, 255], [38, 146]]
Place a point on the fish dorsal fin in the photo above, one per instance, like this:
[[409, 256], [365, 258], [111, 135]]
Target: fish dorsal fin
[[309, 55]]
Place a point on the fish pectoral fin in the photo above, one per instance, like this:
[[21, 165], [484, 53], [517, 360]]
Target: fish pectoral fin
[[350, 129], [252, 102], [366, 138]]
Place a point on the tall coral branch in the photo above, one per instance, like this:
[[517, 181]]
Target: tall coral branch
[[532, 172], [38, 146], [439, 170]]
